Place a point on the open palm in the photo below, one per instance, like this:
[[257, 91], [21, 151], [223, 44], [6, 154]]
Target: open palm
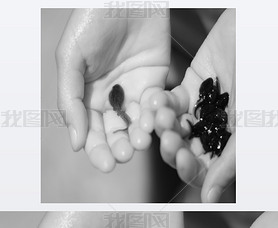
[[215, 58], [94, 54]]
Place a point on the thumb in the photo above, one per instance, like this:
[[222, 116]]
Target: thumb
[[220, 174], [71, 93]]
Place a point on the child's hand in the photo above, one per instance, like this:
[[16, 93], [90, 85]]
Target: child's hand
[[216, 57], [94, 54]]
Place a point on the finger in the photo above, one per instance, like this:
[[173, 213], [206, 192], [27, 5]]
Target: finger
[[71, 92], [216, 56], [177, 99], [146, 122], [220, 174], [185, 128], [122, 148], [169, 105], [190, 169], [165, 119], [140, 130], [170, 143], [139, 139], [117, 137], [96, 144]]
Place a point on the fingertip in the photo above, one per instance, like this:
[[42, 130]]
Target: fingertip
[[221, 174], [184, 125], [122, 150], [171, 142], [164, 120], [140, 139], [75, 116], [75, 145], [212, 196], [147, 121], [102, 159], [189, 169], [73, 138], [146, 97], [181, 98], [158, 100], [78, 140], [185, 165], [70, 102], [107, 166]]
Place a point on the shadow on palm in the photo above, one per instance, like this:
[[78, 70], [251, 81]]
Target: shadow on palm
[[132, 52]]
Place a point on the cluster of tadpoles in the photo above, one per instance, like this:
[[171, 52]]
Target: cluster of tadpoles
[[212, 124]]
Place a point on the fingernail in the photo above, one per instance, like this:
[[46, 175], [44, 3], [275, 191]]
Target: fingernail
[[73, 136], [214, 195]]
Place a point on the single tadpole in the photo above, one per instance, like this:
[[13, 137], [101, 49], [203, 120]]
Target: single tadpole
[[116, 99]]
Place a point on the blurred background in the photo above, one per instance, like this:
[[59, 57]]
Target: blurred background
[[68, 177]]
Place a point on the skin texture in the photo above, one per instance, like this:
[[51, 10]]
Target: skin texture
[[172, 109], [94, 54], [93, 219]]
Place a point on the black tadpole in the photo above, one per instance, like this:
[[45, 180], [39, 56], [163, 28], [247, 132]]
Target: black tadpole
[[116, 99]]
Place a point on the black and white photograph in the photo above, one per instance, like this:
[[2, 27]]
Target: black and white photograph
[[147, 219], [138, 114], [138, 105]]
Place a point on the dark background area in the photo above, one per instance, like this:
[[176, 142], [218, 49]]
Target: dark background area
[[223, 219]]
